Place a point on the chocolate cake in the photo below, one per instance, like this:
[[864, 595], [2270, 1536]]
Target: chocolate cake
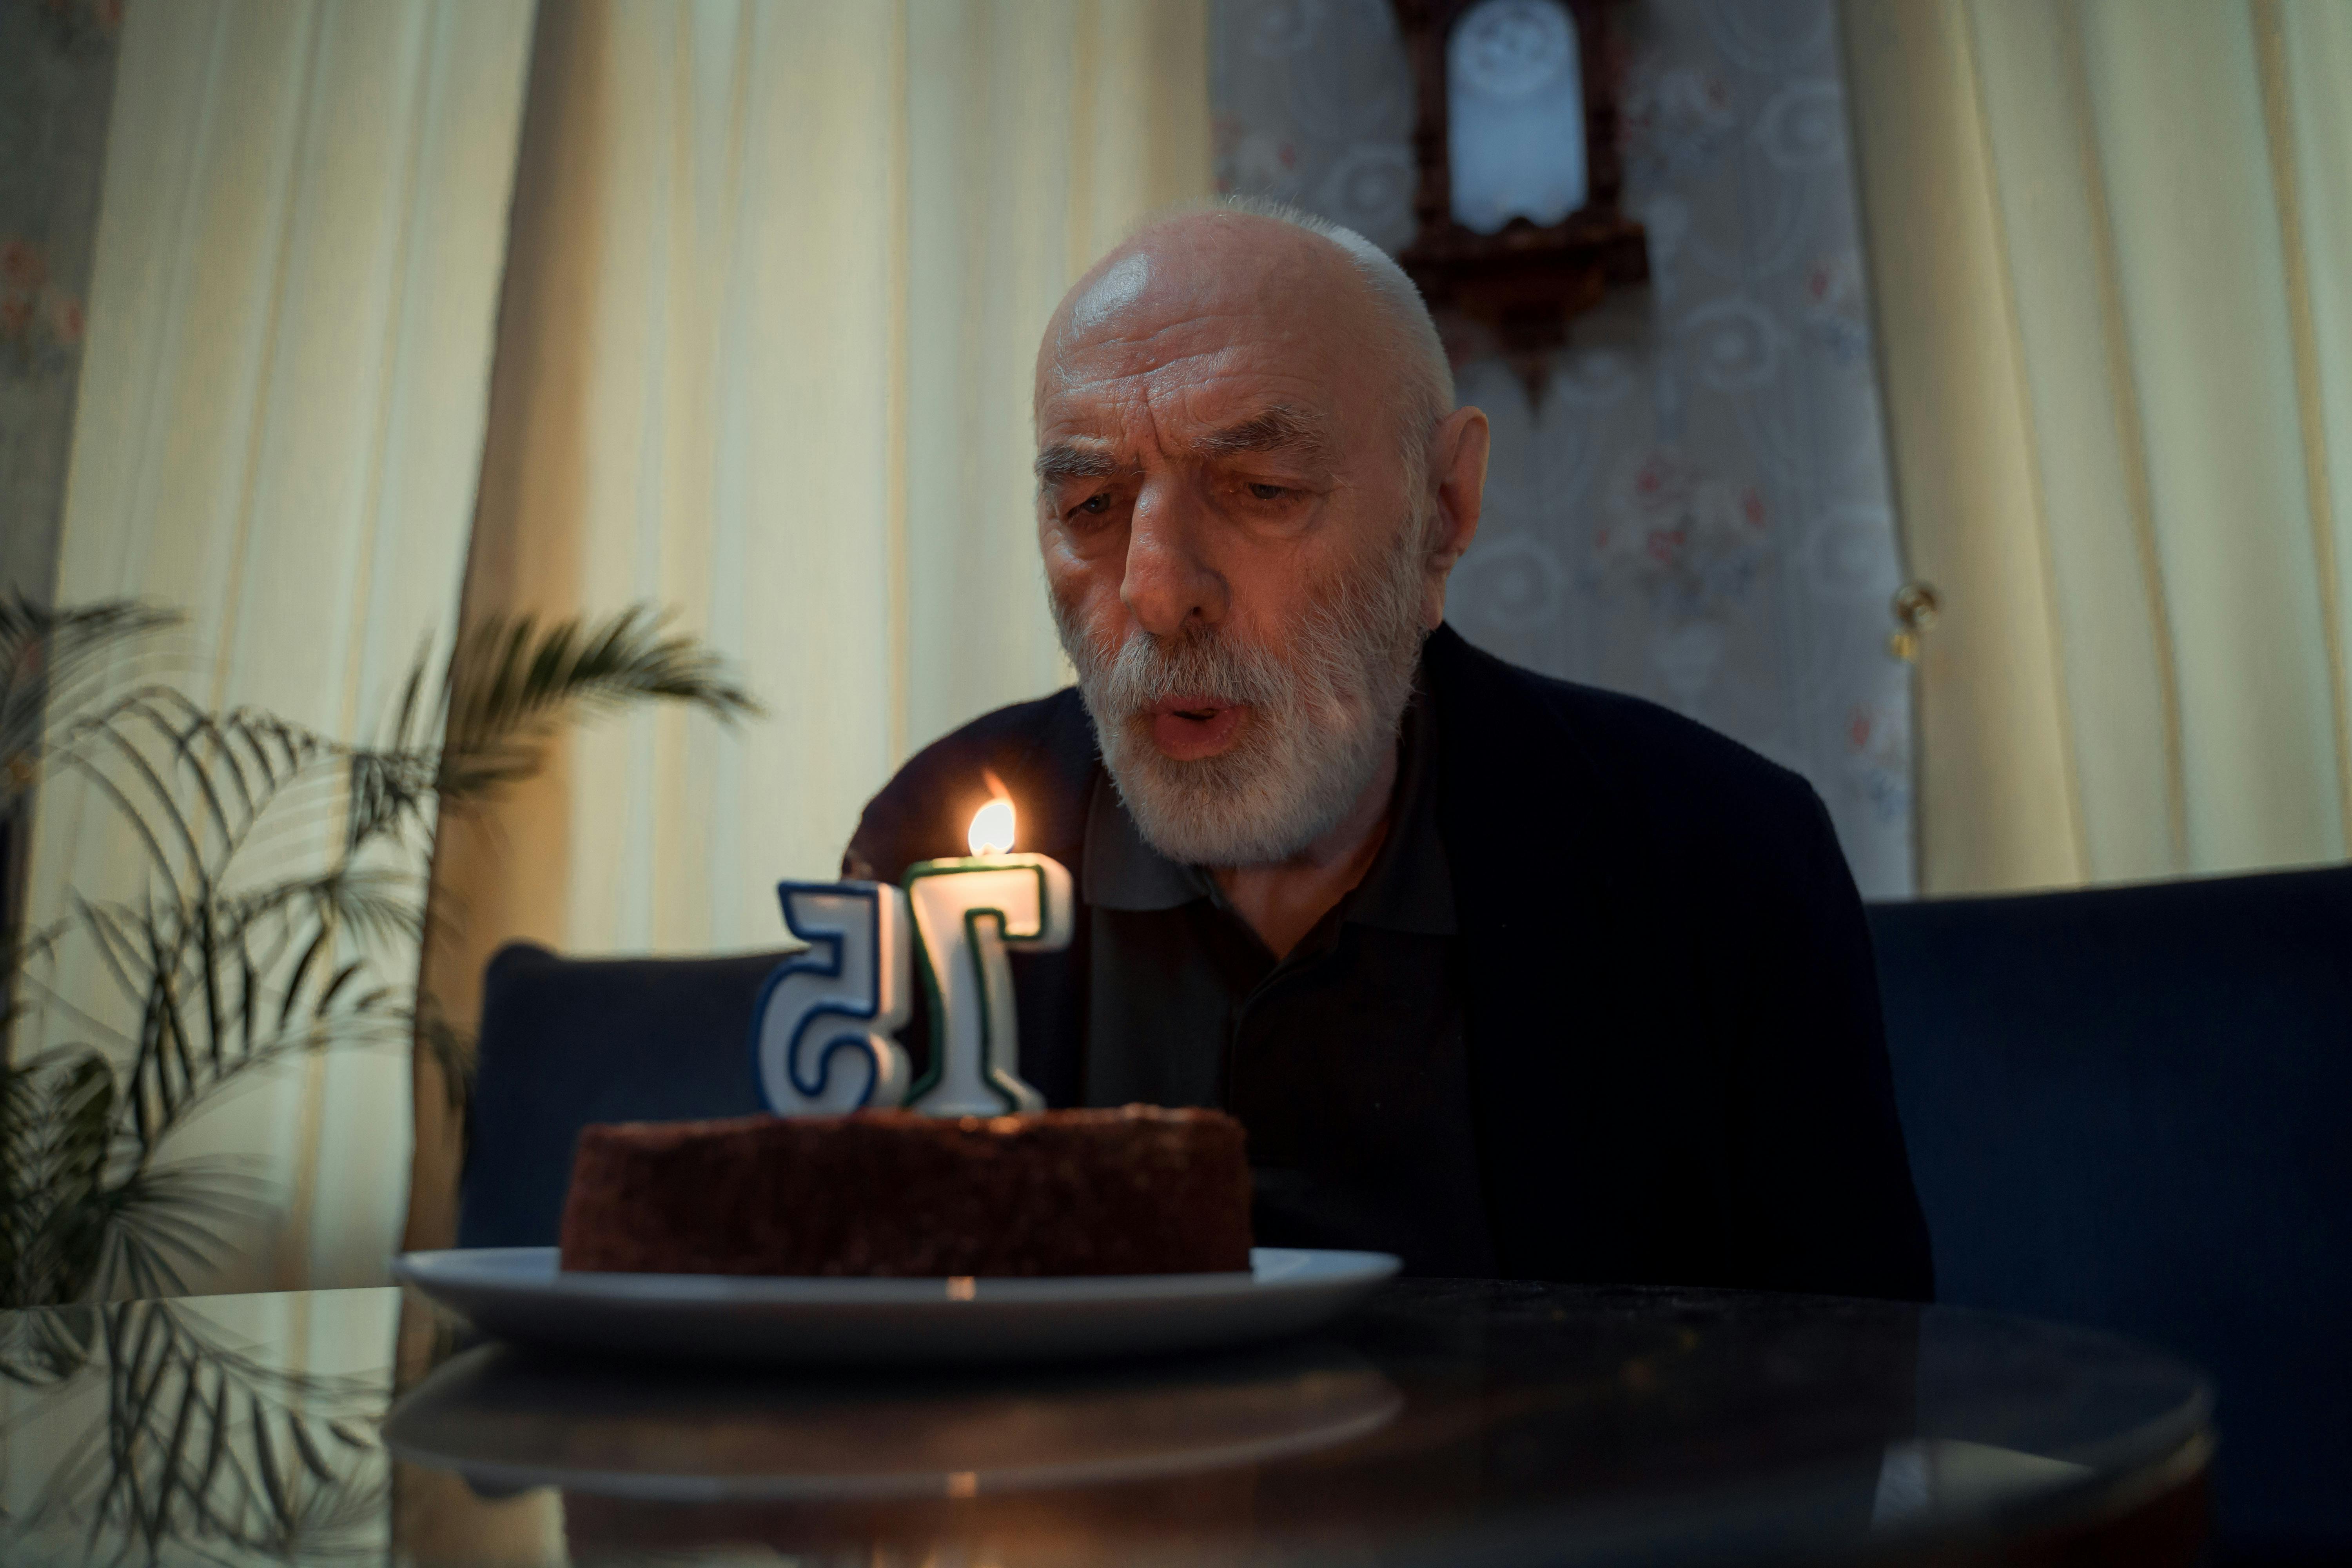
[[891, 1192]]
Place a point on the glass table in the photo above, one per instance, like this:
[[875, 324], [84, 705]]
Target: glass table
[[1454, 1422]]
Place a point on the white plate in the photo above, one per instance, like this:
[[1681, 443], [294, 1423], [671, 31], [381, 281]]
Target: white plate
[[520, 1293]]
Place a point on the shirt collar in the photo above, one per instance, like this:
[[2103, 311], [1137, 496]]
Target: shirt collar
[[1122, 871], [1408, 886]]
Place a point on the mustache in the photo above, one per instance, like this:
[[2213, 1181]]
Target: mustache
[[1145, 670]]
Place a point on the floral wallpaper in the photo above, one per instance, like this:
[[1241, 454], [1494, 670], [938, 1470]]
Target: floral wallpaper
[[57, 86], [1698, 510]]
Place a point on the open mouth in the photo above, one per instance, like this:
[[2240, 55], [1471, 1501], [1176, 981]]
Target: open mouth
[[1187, 728]]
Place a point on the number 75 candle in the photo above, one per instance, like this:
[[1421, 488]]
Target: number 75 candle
[[822, 1031]]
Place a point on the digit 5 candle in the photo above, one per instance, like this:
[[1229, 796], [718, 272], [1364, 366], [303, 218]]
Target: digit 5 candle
[[824, 1029]]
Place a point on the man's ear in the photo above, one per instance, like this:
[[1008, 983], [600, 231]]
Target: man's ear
[[1458, 465]]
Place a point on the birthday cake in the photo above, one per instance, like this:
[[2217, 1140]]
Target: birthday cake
[[1140, 1190]]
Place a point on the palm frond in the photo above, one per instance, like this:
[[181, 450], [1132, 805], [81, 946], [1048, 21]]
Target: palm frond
[[508, 682], [190, 785], [372, 1019], [202, 1451], [56, 636], [374, 903], [45, 652], [40, 1349], [389, 794], [162, 1219], [57, 1128], [232, 952]]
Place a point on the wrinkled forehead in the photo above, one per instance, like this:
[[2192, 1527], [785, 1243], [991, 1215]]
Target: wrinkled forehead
[[1151, 338]]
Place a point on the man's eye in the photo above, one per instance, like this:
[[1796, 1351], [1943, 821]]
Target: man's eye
[[1094, 505], [1269, 492]]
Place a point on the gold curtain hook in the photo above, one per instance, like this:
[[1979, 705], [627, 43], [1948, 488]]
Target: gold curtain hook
[[1916, 605]]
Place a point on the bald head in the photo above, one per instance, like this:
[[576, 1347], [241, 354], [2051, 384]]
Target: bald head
[[1302, 278]]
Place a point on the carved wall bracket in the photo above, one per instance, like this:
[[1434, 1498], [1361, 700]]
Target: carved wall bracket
[[1516, 290]]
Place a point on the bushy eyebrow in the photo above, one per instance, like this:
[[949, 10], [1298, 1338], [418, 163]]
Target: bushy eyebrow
[[1277, 429], [1061, 463]]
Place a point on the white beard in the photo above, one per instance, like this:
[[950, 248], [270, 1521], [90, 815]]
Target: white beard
[[1323, 718]]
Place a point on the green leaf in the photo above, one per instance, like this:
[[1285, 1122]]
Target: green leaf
[[315, 1461], [46, 654], [301, 972], [507, 683], [265, 1459], [204, 952]]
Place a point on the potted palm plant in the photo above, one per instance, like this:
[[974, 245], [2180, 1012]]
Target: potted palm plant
[[282, 888]]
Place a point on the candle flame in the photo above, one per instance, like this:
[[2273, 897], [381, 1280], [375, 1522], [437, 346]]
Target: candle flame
[[992, 827]]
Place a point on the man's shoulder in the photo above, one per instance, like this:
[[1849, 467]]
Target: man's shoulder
[[1624, 746], [1041, 752]]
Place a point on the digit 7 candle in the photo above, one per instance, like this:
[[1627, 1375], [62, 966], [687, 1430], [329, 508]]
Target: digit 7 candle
[[968, 913]]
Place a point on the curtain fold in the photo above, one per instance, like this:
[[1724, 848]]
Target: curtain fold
[[279, 433], [2111, 245], [776, 281]]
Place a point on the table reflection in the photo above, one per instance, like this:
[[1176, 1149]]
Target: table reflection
[[1447, 1422], [233, 1427], [506, 1420]]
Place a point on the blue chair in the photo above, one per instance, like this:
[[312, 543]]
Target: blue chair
[[566, 1042], [2132, 1108]]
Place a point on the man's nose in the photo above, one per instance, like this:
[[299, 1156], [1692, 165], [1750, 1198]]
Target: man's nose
[[1169, 580]]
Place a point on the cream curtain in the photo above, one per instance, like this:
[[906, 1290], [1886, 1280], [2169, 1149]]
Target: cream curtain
[[279, 431], [777, 277], [2111, 245]]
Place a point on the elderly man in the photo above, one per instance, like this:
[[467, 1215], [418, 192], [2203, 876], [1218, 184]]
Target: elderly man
[[1505, 976]]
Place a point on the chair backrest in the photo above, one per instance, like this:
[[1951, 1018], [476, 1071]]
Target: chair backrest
[[566, 1042], [2132, 1108]]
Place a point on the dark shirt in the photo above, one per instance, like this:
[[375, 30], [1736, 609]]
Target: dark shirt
[[1677, 1075], [1344, 1059]]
